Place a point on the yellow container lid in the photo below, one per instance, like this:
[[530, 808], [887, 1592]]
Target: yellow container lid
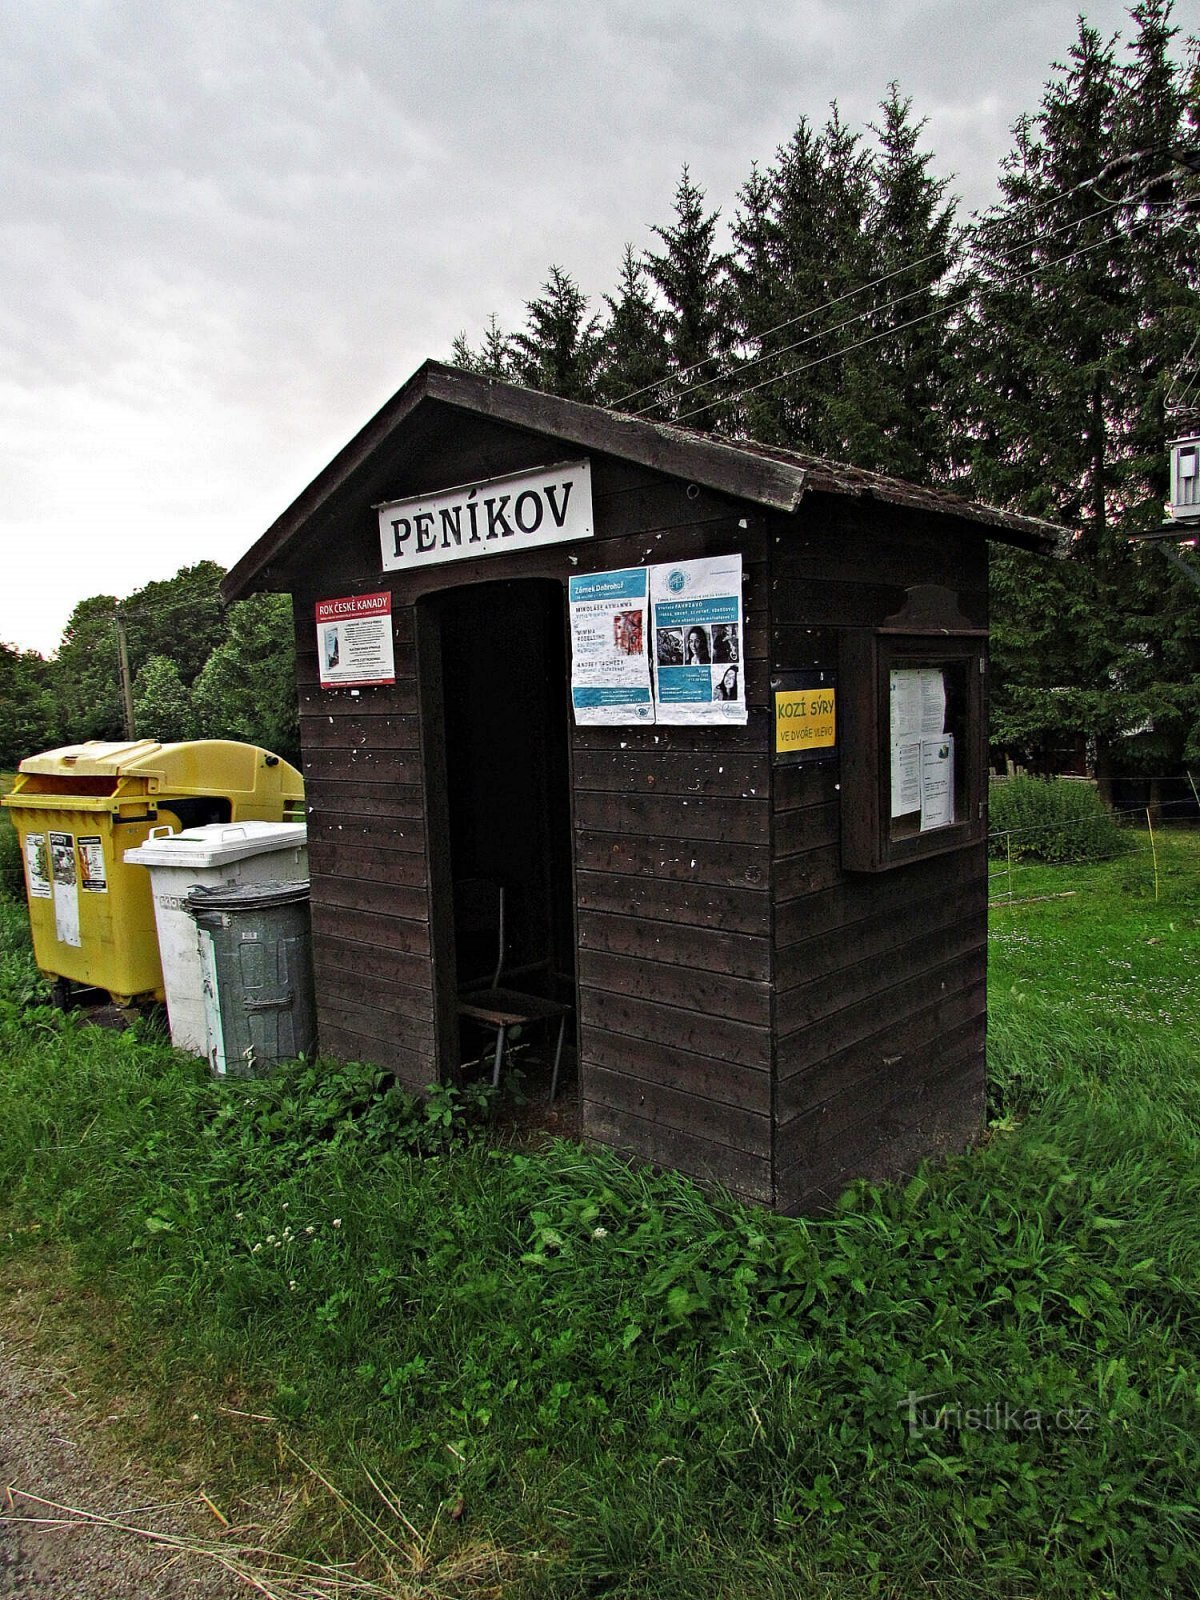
[[143, 766]]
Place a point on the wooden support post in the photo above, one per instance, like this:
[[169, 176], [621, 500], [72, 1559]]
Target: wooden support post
[[126, 681]]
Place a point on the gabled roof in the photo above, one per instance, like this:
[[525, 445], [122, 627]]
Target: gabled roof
[[761, 474]]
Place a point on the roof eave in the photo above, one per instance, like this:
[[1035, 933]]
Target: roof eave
[[776, 485]]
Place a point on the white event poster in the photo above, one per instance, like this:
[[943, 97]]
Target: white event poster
[[906, 777], [65, 878], [698, 640], [354, 641], [937, 782], [610, 660], [37, 866]]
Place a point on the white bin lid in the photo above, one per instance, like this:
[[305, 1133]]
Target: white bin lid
[[217, 843]]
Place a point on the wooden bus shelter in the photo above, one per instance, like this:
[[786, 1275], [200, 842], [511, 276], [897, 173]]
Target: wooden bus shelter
[[768, 915]]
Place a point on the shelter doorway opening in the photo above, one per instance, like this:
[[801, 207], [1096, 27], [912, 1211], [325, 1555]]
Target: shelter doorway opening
[[505, 816]]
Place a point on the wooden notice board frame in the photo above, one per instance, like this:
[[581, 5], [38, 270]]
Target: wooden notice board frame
[[873, 840]]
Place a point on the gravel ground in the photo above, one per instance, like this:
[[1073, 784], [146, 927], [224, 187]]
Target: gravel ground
[[57, 1446]]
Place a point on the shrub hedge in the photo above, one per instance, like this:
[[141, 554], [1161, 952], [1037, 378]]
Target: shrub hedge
[[1051, 819]]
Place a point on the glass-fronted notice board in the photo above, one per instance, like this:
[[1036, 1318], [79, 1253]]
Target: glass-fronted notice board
[[914, 755]]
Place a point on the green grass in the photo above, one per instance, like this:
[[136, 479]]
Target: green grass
[[613, 1384], [12, 873]]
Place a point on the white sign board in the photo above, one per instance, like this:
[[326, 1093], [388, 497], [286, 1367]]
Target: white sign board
[[503, 515], [610, 660], [698, 640], [354, 641]]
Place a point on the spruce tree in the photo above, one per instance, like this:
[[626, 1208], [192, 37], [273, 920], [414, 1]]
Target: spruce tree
[[634, 358], [493, 359], [904, 405], [800, 262], [690, 274], [1067, 348], [559, 348]]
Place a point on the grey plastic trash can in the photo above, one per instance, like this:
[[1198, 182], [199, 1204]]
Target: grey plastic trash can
[[256, 967], [218, 853]]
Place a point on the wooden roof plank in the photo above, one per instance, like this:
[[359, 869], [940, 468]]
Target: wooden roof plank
[[762, 475]]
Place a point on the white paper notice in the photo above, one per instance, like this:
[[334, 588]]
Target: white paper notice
[[92, 877], [933, 700], [610, 647], [937, 782], [66, 889], [354, 641], [905, 705], [37, 866], [918, 716], [906, 777], [918, 702], [698, 640]]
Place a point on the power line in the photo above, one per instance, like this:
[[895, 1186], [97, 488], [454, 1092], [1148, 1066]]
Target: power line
[[1055, 199], [860, 316], [950, 305]]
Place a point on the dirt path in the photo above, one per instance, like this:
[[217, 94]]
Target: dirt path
[[56, 1446]]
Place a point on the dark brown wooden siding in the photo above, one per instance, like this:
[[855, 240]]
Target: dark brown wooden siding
[[364, 784], [747, 1012], [878, 979], [672, 873]]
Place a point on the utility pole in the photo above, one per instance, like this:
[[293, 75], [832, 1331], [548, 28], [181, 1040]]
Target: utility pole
[[123, 667]]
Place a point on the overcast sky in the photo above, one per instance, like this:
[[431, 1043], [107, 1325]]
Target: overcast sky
[[230, 231]]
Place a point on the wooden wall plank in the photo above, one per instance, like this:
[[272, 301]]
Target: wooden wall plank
[[855, 897], [902, 959], [349, 761], [706, 950], [806, 872], [361, 897], [353, 797], [738, 1042], [671, 773], [729, 1127], [748, 1176], [396, 699], [344, 722], [686, 860], [737, 821], [869, 937], [372, 863], [360, 830], [844, 1058], [942, 1116], [723, 1081], [712, 994], [805, 1137], [389, 933], [891, 1002], [372, 961], [705, 905], [414, 1068], [381, 996]]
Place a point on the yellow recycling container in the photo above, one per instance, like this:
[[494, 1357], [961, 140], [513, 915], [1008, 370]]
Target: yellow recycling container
[[77, 810]]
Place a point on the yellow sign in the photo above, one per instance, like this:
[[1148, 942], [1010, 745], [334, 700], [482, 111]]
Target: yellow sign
[[805, 719]]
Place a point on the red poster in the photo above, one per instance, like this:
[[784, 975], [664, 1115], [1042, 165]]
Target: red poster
[[354, 641]]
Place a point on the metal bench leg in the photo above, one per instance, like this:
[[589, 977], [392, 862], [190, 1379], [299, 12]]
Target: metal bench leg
[[562, 1029], [501, 1034]]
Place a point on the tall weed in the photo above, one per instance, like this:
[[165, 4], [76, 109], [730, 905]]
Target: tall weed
[[984, 1380], [1056, 820]]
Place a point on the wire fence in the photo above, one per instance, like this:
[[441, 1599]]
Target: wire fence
[[1156, 852]]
